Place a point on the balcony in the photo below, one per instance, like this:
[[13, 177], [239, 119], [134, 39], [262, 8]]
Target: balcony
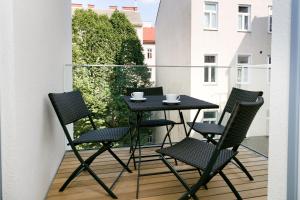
[[37, 42], [253, 152]]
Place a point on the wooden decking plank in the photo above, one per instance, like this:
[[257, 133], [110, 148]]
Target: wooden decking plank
[[158, 187]]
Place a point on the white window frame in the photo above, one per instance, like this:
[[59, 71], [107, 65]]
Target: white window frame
[[243, 68], [243, 18], [270, 19], [149, 52], [209, 120], [210, 66], [210, 16], [150, 139]]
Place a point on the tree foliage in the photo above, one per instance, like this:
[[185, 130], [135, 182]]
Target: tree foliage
[[100, 40]]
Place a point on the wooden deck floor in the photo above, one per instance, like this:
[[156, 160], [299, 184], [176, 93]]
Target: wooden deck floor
[[158, 187]]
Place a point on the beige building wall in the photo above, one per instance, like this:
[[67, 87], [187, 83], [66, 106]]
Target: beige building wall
[[173, 48], [226, 43]]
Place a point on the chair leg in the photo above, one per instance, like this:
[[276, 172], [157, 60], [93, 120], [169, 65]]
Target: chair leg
[[89, 160], [211, 139], [119, 160], [131, 138], [130, 135], [132, 155], [185, 185], [165, 138], [199, 171], [243, 168], [237, 195], [100, 182], [75, 173], [81, 167], [167, 135]]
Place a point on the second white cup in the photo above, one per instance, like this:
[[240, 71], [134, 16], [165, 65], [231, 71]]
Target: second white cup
[[172, 97], [137, 95]]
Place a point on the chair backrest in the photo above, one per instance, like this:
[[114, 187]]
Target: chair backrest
[[239, 122], [151, 91], [239, 95], [69, 106]]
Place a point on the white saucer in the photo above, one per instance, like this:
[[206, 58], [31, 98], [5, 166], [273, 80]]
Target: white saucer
[[140, 99], [171, 102]]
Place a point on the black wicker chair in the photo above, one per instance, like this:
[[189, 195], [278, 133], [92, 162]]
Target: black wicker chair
[[70, 107], [150, 123], [153, 91], [210, 158], [209, 131]]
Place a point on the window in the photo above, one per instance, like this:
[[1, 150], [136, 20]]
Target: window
[[210, 69], [211, 15], [270, 19], [269, 68], [269, 59], [210, 117], [149, 53], [150, 138], [242, 68], [244, 18]]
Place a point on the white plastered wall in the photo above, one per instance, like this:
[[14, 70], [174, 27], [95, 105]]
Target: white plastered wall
[[279, 100], [173, 42], [35, 44]]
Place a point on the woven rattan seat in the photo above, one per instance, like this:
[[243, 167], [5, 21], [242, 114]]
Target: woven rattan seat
[[102, 135], [211, 158], [197, 153], [209, 131], [205, 128], [70, 107], [156, 122], [236, 95]]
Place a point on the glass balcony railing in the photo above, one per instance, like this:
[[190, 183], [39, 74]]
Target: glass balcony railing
[[103, 86]]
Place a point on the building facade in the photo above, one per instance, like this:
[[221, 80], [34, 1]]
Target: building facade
[[131, 12], [227, 43], [149, 48]]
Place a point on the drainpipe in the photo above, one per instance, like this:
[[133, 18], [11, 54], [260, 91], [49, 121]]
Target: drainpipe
[[294, 100]]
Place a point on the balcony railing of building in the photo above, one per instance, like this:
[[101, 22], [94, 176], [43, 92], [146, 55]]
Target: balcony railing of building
[[103, 85]]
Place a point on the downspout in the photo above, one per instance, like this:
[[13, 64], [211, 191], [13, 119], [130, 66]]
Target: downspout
[[294, 100]]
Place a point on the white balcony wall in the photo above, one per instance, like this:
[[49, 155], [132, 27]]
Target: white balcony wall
[[35, 44], [279, 100]]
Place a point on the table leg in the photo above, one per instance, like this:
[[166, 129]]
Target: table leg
[[139, 120], [183, 122], [194, 120]]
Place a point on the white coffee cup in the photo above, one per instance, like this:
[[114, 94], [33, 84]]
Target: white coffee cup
[[172, 97], [137, 95]]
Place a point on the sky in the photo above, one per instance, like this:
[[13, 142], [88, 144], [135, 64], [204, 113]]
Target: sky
[[147, 8]]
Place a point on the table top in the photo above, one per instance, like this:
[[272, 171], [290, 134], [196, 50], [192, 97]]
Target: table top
[[154, 103]]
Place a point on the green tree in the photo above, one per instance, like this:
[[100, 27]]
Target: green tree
[[103, 41]]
